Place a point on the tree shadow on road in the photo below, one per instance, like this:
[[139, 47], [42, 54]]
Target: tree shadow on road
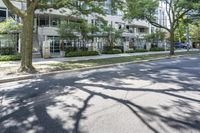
[[58, 104]]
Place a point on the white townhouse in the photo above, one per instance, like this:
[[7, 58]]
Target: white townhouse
[[46, 28], [5, 14]]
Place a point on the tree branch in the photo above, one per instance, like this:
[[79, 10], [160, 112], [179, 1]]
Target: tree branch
[[13, 9], [156, 24], [54, 5]]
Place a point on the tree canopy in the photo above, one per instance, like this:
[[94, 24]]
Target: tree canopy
[[156, 36], [175, 11], [75, 7], [195, 31], [148, 10], [10, 26]]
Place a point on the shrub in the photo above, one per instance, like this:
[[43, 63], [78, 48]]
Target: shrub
[[141, 50], [119, 47], [81, 53], [10, 57], [83, 49], [114, 51], [157, 49], [154, 45], [107, 48], [130, 51], [70, 49], [7, 51]]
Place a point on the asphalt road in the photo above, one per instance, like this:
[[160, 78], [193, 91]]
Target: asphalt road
[[153, 97]]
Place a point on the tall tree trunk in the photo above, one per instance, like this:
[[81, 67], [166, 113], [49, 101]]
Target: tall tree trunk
[[172, 43], [27, 44]]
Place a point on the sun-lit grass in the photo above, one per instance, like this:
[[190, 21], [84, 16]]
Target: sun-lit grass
[[74, 65], [100, 62]]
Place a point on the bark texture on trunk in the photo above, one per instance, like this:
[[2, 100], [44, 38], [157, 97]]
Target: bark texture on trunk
[[27, 44], [172, 43]]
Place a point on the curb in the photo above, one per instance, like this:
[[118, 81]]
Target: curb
[[25, 77]]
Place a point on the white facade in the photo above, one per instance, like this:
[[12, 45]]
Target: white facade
[[46, 23], [5, 39], [162, 19]]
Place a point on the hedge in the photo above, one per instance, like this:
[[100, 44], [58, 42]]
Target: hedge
[[109, 48], [7, 51], [114, 51], [75, 49], [157, 49], [130, 51], [10, 57], [119, 47], [141, 50], [70, 49], [81, 53]]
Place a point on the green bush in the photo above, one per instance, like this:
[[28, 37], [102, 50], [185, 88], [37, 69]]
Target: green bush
[[130, 51], [10, 57], [81, 53], [83, 49], [141, 50], [157, 49], [107, 48], [114, 51], [7, 51], [70, 49], [119, 47]]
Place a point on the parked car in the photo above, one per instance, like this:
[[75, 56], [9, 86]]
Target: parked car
[[181, 45]]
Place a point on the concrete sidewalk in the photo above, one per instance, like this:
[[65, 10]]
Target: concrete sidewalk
[[37, 61]]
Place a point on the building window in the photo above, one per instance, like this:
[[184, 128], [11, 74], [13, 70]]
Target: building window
[[131, 30], [93, 22], [2, 15], [152, 30], [55, 22], [127, 27], [120, 26], [43, 21], [141, 30]]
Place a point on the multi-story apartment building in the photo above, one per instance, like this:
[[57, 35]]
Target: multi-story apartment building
[[5, 40], [162, 19], [46, 27], [161, 16]]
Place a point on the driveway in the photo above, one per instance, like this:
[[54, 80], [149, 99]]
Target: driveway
[[154, 97]]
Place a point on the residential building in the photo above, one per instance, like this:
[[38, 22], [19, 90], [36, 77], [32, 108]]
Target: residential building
[[5, 40], [134, 31], [46, 27]]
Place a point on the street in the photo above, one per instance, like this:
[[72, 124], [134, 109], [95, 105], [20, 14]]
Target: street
[[153, 97]]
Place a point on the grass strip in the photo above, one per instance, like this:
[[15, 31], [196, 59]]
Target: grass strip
[[99, 62]]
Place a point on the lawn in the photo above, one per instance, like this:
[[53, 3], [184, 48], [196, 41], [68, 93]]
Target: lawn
[[100, 62], [75, 65]]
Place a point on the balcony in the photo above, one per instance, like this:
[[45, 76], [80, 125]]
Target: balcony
[[51, 31], [135, 34]]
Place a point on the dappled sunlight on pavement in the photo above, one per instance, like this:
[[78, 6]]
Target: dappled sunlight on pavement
[[157, 97]]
